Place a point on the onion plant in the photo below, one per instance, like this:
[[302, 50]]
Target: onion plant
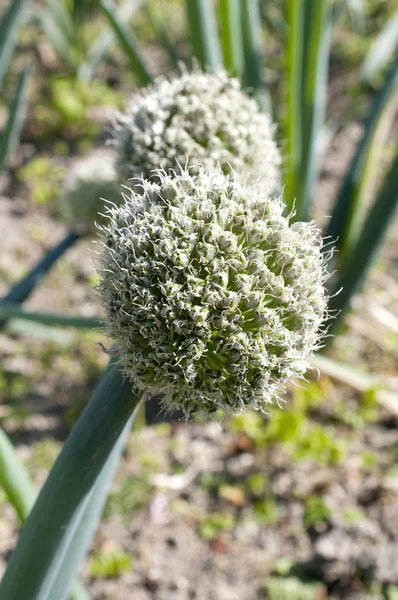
[[9, 26], [213, 287], [192, 285], [11, 21], [306, 28], [66, 25], [14, 478]]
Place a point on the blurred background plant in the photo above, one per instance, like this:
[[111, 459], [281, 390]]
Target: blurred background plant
[[328, 74], [10, 23]]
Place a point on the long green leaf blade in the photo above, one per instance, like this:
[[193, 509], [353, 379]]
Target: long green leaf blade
[[9, 25], [346, 218], [253, 49], [59, 40], [317, 32], [55, 335], [162, 36], [381, 50], [354, 377], [10, 135], [13, 310], [79, 592], [80, 542], [127, 42], [21, 492], [204, 35], [231, 36], [100, 46], [22, 290], [293, 121], [62, 18], [57, 513], [356, 11], [82, 9], [15, 479], [363, 253]]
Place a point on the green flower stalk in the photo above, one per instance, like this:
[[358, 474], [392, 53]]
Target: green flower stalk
[[89, 182], [203, 118], [210, 294]]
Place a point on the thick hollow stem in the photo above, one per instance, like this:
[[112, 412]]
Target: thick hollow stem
[[46, 536]]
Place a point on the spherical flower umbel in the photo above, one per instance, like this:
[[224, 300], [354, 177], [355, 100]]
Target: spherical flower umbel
[[89, 182], [199, 117], [210, 294]]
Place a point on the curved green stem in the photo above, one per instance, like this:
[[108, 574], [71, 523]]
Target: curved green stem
[[21, 492], [55, 517], [21, 290]]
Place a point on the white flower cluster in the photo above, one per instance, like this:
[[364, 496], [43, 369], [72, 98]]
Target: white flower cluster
[[89, 185], [200, 118], [210, 294]]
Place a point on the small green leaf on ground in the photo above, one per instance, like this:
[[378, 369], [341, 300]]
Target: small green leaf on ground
[[214, 524], [109, 565], [353, 515], [132, 493], [315, 510], [266, 511], [292, 588]]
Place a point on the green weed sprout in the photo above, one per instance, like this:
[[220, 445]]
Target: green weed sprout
[[89, 183], [199, 117], [210, 294]]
